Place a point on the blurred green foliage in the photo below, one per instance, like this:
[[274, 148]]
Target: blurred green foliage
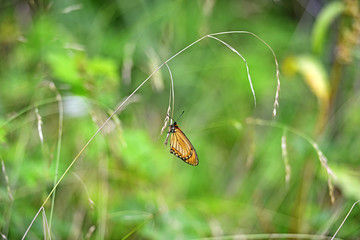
[[86, 57]]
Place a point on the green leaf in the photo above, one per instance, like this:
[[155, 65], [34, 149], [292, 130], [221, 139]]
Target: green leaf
[[313, 73], [348, 181], [322, 24]]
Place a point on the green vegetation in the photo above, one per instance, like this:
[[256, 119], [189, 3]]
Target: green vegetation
[[65, 66]]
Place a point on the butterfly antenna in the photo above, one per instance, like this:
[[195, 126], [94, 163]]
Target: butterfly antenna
[[179, 116]]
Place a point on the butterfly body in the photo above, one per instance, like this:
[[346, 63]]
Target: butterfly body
[[181, 146]]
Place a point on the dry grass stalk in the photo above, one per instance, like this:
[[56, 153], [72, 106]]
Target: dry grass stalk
[[125, 101], [285, 157], [6, 180]]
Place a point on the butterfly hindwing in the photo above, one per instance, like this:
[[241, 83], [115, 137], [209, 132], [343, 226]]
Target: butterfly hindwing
[[181, 146]]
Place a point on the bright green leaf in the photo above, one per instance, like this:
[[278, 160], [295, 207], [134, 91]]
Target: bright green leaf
[[322, 24]]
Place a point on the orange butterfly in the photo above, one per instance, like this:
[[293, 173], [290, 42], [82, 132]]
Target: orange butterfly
[[181, 146]]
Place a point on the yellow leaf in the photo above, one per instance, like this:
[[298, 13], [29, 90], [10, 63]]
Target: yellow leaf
[[313, 73]]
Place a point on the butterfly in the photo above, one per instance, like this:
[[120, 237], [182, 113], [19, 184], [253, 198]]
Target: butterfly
[[181, 146]]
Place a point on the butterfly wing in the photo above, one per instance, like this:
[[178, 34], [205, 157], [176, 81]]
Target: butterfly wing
[[181, 146]]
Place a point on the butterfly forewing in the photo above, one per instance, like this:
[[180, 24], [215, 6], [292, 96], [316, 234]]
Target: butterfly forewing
[[181, 146]]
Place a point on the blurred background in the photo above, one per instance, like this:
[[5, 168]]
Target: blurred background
[[66, 65]]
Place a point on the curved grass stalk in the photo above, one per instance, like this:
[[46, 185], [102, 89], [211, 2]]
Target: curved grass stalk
[[271, 236], [247, 67], [137, 228], [276, 101], [346, 217], [276, 104], [171, 99], [28, 108], [323, 160], [58, 147]]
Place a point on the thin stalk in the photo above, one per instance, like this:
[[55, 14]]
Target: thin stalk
[[346, 217], [270, 236], [247, 67], [27, 109], [127, 99], [322, 158], [58, 148]]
